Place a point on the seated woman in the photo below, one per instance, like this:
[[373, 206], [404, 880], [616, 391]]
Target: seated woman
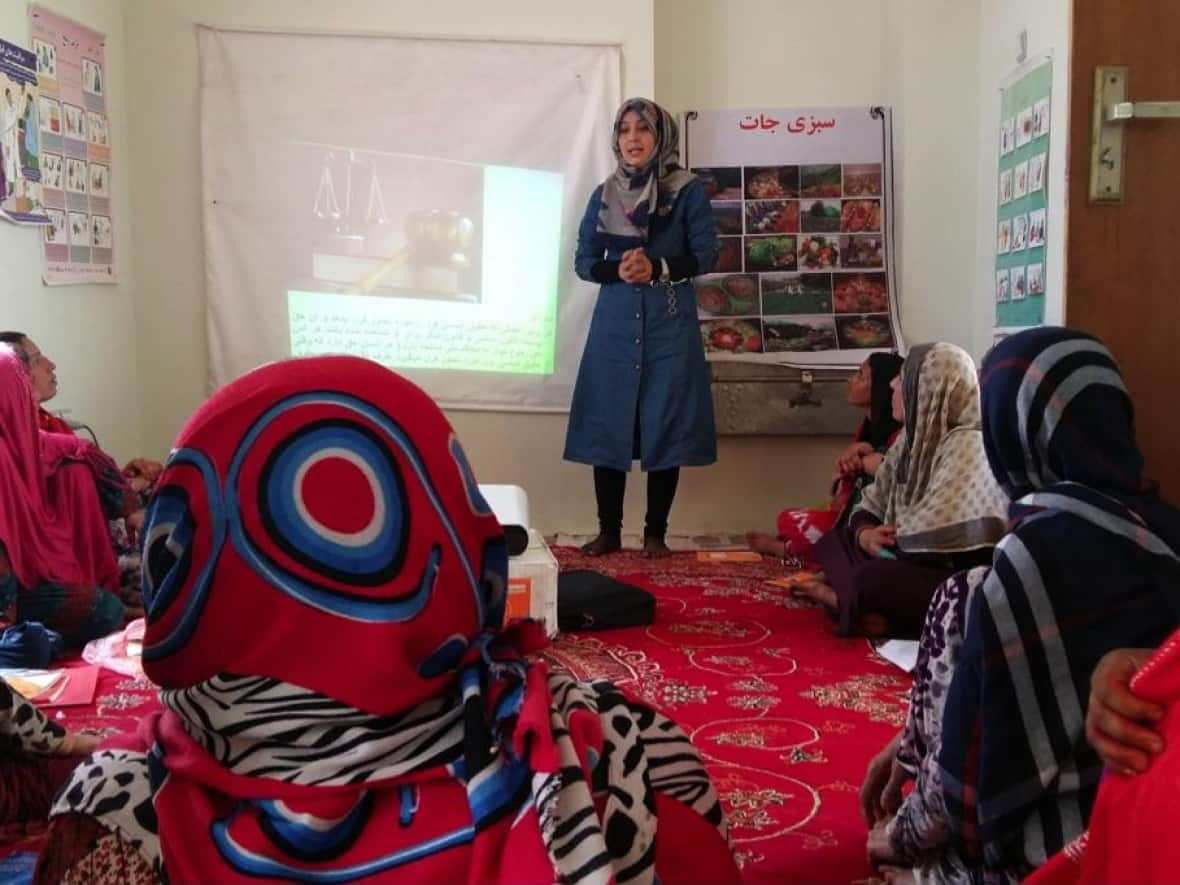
[[326, 591], [56, 562], [44, 374], [123, 494], [995, 740], [869, 388], [37, 756], [933, 510], [74, 467]]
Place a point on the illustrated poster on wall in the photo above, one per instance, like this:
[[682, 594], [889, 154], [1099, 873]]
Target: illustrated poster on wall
[[800, 200], [1022, 198], [75, 142], [20, 166]]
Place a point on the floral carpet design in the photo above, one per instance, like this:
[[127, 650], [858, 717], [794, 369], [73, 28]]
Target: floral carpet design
[[785, 714]]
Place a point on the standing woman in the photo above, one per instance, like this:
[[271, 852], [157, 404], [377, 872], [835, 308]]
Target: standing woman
[[643, 385]]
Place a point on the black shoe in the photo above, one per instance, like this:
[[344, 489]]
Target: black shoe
[[655, 548], [603, 545]]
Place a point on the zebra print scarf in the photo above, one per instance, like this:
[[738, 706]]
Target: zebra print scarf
[[261, 730]]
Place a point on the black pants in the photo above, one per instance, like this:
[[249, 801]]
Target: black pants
[[609, 486]]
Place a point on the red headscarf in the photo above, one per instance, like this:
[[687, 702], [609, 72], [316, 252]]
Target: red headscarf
[[321, 513], [51, 521]]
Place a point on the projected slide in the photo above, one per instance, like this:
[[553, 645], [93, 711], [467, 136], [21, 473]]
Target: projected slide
[[425, 263]]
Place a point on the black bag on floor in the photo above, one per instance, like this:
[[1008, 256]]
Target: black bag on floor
[[589, 600]]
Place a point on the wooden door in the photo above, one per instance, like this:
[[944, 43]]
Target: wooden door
[[1122, 278]]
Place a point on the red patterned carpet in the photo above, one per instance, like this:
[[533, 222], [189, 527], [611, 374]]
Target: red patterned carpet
[[785, 714]]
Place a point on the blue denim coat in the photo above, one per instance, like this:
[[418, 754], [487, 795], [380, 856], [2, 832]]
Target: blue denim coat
[[644, 366]]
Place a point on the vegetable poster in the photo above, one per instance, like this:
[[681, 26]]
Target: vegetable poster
[[1022, 198], [20, 168], [800, 198], [75, 145]]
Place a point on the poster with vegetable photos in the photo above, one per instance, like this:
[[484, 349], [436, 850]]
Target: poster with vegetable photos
[[1022, 196], [801, 198], [75, 143], [20, 166]]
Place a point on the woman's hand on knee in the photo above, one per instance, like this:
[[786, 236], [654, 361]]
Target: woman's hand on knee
[[1119, 725], [880, 793]]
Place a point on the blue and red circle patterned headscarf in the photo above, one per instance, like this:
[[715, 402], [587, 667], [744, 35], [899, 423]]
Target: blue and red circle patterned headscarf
[[328, 501], [325, 588]]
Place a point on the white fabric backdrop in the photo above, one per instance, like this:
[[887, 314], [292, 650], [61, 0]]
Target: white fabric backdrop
[[532, 105]]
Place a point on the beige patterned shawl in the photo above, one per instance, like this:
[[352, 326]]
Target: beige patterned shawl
[[935, 484]]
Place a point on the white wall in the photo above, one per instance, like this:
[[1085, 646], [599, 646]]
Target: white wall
[[163, 64], [933, 60], [751, 53], [132, 357], [1048, 25], [917, 56], [925, 58], [763, 53], [89, 331]]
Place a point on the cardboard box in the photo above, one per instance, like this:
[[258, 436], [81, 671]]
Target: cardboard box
[[532, 584]]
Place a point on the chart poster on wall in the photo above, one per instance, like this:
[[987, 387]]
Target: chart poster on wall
[[20, 166], [1022, 196], [75, 144], [800, 197]]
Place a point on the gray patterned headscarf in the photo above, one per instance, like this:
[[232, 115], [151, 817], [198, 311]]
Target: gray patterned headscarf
[[633, 195], [935, 484]]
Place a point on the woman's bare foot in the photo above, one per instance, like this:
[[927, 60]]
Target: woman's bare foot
[[75, 744], [766, 544], [655, 548], [603, 545], [873, 625], [818, 592]]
